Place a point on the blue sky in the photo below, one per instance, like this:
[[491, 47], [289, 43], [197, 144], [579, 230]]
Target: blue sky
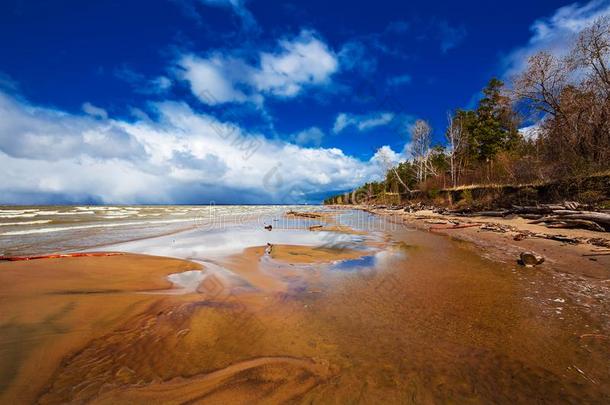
[[192, 101]]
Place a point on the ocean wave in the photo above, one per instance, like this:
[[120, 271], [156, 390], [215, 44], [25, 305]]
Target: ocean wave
[[43, 213], [108, 225], [42, 221], [23, 215]]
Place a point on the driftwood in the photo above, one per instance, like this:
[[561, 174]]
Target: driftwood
[[501, 213], [565, 222], [601, 242], [598, 217], [562, 238], [435, 228], [530, 216], [576, 223], [595, 221], [565, 215], [531, 209]]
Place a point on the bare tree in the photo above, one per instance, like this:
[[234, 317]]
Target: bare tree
[[420, 147], [591, 52], [454, 137], [541, 84], [573, 93]]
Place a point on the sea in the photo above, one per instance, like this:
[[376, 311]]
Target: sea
[[30, 230]]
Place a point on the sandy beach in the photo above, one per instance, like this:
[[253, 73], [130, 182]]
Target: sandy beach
[[343, 307]]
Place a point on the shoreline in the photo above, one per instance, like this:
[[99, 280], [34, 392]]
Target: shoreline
[[505, 236], [292, 324], [585, 278]]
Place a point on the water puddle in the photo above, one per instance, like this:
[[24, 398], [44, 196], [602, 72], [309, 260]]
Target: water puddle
[[354, 264], [187, 281], [380, 259]]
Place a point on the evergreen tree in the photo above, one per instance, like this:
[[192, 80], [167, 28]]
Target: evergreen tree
[[495, 128]]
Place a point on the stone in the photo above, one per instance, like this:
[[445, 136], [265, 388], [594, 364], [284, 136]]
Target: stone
[[530, 259]]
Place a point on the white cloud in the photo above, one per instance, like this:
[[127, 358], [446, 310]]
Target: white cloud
[[303, 61], [298, 63], [94, 111], [182, 156], [341, 122], [310, 136], [555, 34], [387, 157], [215, 80], [45, 134], [382, 119], [362, 122]]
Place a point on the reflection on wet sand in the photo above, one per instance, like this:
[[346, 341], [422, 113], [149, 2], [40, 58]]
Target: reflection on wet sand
[[396, 316]]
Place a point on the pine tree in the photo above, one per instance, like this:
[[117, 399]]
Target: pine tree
[[495, 129]]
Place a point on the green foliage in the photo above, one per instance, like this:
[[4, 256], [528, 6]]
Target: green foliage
[[487, 134], [406, 171], [495, 127]]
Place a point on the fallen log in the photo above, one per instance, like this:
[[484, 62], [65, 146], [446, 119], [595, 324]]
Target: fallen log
[[501, 213], [600, 218], [563, 222], [576, 223], [530, 216], [586, 221], [601, 242], [434, 228], [562, 238], [517, 209], [566, 212]]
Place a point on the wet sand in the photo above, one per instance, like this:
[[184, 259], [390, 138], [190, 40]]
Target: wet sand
[[402, 317]]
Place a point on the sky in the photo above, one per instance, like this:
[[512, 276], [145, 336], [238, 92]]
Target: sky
[[244, 102]]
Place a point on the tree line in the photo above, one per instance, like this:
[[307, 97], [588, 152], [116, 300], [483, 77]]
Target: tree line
[[566, 99]]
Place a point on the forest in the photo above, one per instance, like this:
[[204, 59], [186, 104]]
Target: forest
[[549, 122]]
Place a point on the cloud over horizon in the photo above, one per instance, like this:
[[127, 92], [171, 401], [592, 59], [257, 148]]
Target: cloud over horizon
[[51, 156]]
